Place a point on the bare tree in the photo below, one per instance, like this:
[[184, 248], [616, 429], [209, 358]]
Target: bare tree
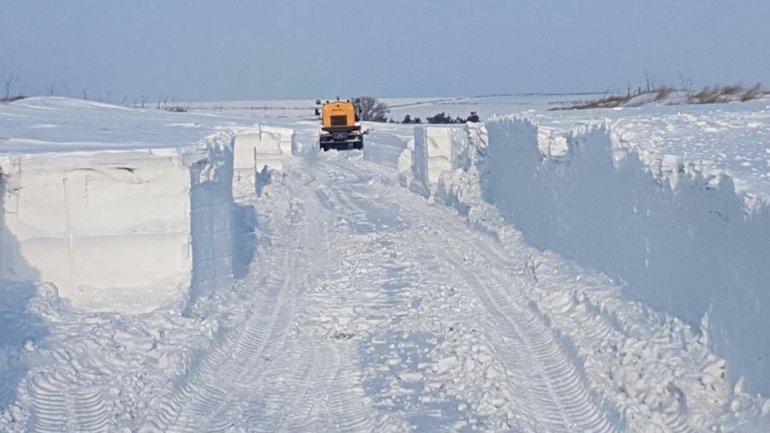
[[369, 108], [9, 80], [649, 82], [50, 89], [685, 83]]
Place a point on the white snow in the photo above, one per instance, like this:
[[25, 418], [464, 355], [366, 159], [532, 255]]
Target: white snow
[[675, 232], [103, 227], [548, 296], [261, 147], [438, 149], [114, 229]]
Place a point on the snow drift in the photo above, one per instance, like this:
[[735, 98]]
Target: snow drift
[[119, 229]]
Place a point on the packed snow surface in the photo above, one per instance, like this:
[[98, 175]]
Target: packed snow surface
[[362, 305]]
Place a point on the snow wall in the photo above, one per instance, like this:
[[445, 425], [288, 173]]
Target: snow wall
[[679, 237], [119, 230], [260, 147], [438, 149], [676, 235]]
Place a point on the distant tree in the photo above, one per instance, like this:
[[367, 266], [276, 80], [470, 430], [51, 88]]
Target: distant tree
[[753, 93], [417, 120], [167, 103], [370, 109], [407, 119], [663, 93], [440, 118], [474, 117], [50, 89], [685, 83], [8, 80]]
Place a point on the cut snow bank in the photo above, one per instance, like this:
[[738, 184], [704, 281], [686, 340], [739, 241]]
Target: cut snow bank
[[260, 147], [438, 149], [119, 229], [677, 234]]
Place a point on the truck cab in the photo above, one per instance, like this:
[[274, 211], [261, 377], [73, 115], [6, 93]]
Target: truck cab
[[340, 127]]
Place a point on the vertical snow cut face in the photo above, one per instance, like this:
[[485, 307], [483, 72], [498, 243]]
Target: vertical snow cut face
[[438, 149], [676, 233], [125, 230], [260, 147]]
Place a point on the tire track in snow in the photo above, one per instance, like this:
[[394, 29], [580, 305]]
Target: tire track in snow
[[270, 375], [511, 260], [65, 400], [195, 406], [564, 402], [207, 390]]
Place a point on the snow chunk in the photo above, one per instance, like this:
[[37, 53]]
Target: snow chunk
[[438, 149], [124, 230], [261, 147]]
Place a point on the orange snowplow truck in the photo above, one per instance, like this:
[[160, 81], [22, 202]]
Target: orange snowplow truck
[[340, 128]]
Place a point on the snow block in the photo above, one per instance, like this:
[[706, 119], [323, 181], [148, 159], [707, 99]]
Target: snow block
[[676, 234], [126, 230], [261, 147], [438, 149]]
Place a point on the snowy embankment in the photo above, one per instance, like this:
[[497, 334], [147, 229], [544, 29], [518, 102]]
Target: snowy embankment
[[675, 234], [118, 230], [679, 236], [120, 209], [261, 147]]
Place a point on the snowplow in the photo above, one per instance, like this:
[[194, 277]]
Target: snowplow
[[340, 127]]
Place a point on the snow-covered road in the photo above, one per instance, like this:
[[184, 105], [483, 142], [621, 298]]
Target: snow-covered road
[[378, 310], [362, 280], [368, 307]]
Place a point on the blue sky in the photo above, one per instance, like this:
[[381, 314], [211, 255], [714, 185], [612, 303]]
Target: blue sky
[[230, 50]]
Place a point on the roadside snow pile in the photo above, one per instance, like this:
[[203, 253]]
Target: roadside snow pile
[[260, 147], [125, 230], [675, 233], [115, 225], [436, 150]]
